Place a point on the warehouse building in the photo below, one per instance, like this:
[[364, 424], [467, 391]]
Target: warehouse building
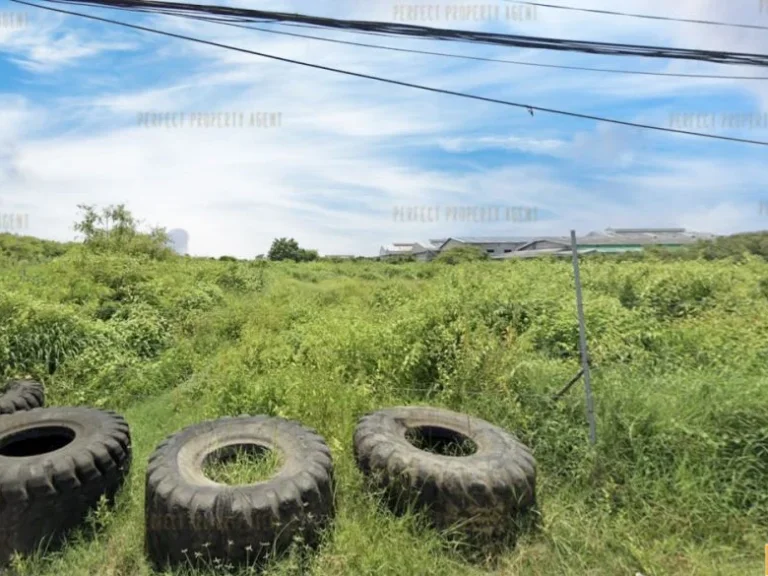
[[612, 240]]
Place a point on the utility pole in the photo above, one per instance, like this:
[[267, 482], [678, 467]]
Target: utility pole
[[583, 343]]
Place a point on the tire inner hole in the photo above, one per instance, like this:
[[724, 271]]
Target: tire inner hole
[[442, 441], [239, 464], [35, 441]]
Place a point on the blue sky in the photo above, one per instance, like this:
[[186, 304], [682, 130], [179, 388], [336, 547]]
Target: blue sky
[[349, 151]]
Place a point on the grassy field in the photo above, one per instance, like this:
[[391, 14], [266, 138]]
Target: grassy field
[[678, 481]]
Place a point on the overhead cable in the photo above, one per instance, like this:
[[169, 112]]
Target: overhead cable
[[528, 107]]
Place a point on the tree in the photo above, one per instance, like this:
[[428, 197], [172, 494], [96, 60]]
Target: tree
[[284, 249], [288, 249], [114, 223], [115, 229], [308, 255]]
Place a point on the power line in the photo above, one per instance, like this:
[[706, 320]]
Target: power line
[[645, 16], [528, 107], [444, 34], [233, 22], [477, 58]]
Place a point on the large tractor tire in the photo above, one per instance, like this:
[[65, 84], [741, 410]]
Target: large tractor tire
[[20, 395], [463, 472], [55, 465], [193, 519]]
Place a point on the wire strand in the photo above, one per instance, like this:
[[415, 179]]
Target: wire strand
[[644, 16]]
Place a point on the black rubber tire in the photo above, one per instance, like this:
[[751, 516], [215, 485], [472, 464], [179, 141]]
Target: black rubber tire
[[190, 518], [20, 395], [44, 495], [483, 494]]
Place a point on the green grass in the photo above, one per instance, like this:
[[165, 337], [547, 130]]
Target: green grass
[[675, 485], [244, 466]]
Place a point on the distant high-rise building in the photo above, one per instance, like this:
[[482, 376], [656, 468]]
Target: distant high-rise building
[[179, 240]]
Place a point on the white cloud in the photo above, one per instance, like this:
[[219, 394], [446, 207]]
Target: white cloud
[[468, 144], [44, 44]]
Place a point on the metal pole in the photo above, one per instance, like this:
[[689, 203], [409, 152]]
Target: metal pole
[[568, 386], [583, 343]]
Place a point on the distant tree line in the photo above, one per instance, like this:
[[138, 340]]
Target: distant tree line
[[114, 228]]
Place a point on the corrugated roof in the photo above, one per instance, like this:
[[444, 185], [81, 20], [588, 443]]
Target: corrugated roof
[[493, 239], [621, 239], [641, 239], [646, 230], [397, 248], [407, 248]]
